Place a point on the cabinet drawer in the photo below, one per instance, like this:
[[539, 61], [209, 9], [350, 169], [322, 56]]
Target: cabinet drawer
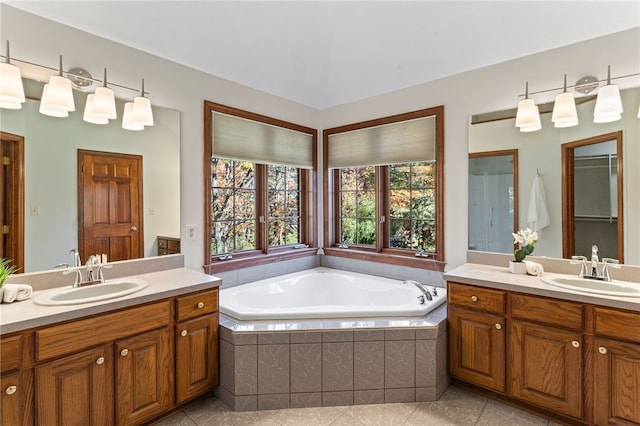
[[162, 243], [194, 305], [11, 358], [479, 298], [623, 325], [547, 311], [173, 245], [83, 334]]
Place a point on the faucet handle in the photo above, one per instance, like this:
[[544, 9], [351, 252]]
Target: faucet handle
[[578, 259], [612, 263]]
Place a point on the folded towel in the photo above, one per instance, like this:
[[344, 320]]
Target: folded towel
[[15, 292], [533, 268]]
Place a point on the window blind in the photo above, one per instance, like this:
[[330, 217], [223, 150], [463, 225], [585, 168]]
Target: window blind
[[249, 140], [402, 142]]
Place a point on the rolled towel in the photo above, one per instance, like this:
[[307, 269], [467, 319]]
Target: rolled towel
[[15, 292], [533, 268]]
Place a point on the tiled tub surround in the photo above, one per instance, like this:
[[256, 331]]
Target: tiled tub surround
[[314, 363]]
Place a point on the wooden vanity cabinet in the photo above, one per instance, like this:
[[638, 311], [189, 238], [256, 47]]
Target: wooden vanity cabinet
[[16, 383]]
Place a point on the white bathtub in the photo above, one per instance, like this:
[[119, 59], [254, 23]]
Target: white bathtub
[[325, 293]]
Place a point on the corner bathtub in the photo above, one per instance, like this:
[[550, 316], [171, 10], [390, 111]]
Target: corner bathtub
[[325, 293]]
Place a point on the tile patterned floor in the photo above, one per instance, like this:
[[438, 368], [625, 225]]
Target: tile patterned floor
[[456, 407]]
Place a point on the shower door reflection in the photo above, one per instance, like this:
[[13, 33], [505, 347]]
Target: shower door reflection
[[493, 200]]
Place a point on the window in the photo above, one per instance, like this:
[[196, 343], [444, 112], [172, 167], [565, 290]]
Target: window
[[259, 195], [384, 192]]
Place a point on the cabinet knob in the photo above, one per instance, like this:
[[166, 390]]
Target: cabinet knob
[[11, 390], [602, 350], [183, 333], [498, 326], [100, 360], [200, 305], [575, 344], [474, 298], [124, 352]]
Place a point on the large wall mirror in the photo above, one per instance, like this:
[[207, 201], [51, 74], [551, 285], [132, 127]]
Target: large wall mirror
[[540, 153], [52, 148]]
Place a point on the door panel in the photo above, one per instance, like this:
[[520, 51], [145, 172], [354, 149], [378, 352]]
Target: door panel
[[110, 205]]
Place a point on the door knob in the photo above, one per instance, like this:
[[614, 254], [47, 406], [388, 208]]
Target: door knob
[[100, 361], [124, 352], [134, 229], [602, 350], [474, 298], [11, 390], [498, 326], [575, 344], [183, 333], [200, 305]]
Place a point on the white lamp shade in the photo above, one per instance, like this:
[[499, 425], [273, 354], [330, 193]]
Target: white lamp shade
[[528, 116], [59, 95], [88, 107], [11, 89], [608, 104], [564, 111], [142, 112], [51, 110], [104, 104], [128, 121]]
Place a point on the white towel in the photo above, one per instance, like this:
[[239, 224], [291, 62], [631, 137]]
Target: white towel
[[538, 215], [534, 268], [15, 292]]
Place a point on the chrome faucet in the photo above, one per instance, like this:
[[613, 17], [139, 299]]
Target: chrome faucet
[[594, 261], [423, 289], [607, 263]]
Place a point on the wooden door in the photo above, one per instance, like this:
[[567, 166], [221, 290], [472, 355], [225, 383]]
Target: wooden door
[[477, 348], [143, 376], [12, 399], [616, 383], [12, 194], [546, 367], [76, 390], [110, 211], [196, 356]]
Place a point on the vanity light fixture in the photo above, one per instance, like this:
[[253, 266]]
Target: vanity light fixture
[[102, 106], [137, 114], [608, 103], [528, 115], [11, 89], [57, 96], [564, 110]]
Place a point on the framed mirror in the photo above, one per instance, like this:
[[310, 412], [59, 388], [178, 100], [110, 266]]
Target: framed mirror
[[50, 181], [541, 152]]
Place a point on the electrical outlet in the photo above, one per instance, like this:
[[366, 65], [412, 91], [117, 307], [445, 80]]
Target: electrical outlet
[[191, 232]]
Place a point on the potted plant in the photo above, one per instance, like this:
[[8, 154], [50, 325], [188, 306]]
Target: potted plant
[[6, 269], [525, 239]]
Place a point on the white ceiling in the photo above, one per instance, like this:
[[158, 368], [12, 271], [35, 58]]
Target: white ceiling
[[322, 53]]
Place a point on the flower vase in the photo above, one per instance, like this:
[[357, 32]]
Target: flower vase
[[518, 268]]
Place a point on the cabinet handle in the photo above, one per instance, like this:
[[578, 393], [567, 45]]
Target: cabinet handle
[[11, 390], [200, 305], [124, 352], [575, 344], [474, 298], [602, 350], [100, 360], [183, 333], [498, 326]]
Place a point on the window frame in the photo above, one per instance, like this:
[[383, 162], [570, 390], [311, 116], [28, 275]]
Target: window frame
[[263, 254], [382, 252]]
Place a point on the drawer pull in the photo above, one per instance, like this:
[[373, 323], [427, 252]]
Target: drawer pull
[[498, 326], [124, 352], [200, 305], [183, 333], [11, 390], [100, 360], [602, 350], [575, 344], [474, 298]]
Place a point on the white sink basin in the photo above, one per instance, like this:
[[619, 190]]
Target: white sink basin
[[110, 289], [609, 288]]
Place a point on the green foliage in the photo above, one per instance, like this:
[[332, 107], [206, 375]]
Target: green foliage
[[6, 269]]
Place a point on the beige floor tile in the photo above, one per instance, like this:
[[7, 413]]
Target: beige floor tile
[[178, 419], [382, 414], [316, 416], [455, 407], [496, 413], [346, 420]]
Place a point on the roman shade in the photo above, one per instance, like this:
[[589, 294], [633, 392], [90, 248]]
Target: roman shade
[[401, 142], [249, 140]]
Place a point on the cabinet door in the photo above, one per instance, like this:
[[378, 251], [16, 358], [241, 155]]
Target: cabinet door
[[546, 367], [14, 407], [196, 356], [616, 383], [76, 390], [144, 376], [477, 348]]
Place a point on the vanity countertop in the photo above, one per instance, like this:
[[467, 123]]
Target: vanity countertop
[[500, 278], [26, 314]]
